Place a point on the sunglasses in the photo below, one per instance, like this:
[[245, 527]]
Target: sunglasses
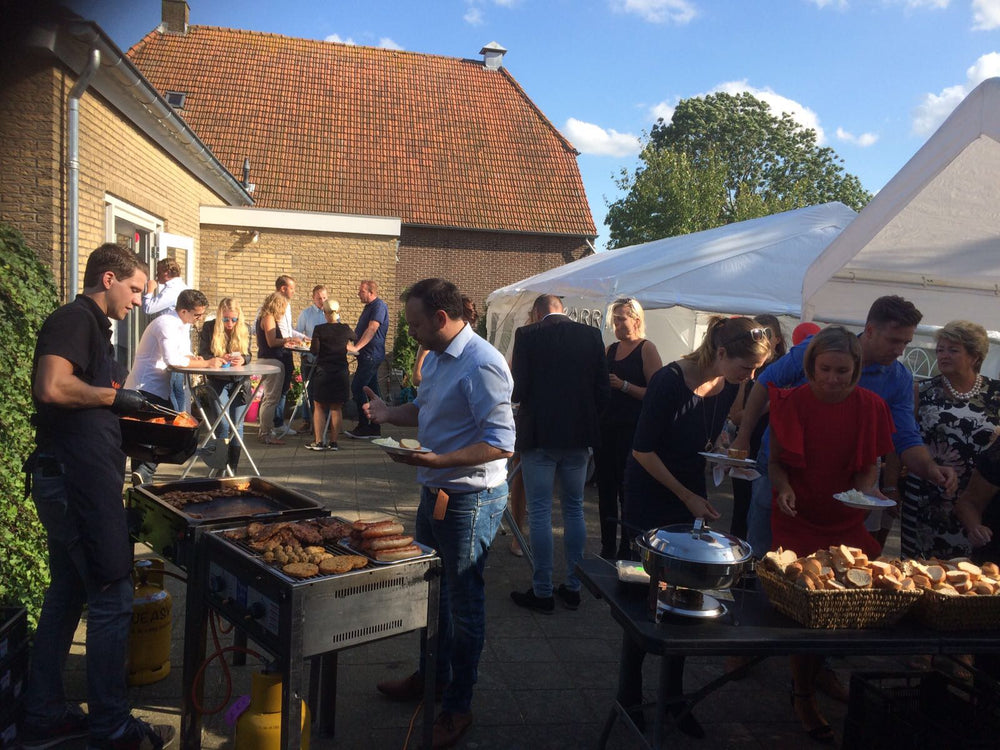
[[230, 320], [756, 334]]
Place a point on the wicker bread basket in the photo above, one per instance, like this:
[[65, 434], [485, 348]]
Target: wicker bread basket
[[941, 612], [856, 608]]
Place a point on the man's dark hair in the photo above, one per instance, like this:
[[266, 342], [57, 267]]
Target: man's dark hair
[[121, 261], [894, 309], [190, 299], [282, 280], [437, 294]]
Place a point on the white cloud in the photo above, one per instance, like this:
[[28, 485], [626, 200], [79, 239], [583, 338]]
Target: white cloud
[[596, 141], [336, 38], [908, 4], [838, 4], [657, 11], [864, 140], [985, 14], [935, 108], [473, 16], [387, 43], [664, 111]]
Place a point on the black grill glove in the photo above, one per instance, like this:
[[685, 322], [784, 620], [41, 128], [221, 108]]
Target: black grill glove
[[129, 402]]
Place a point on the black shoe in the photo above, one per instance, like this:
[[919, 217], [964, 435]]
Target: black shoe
[[366, 432], [332, 446], [688, 725], [527, 599], [570, 599], [138, 735], [73, 725]]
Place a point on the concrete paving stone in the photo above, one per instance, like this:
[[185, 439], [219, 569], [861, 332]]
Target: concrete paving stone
[[516, 650], [585, 650], [545, 676], [546, 707]]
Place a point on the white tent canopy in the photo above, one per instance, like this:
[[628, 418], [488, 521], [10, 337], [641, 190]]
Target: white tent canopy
[[751, 267], [931, 235]]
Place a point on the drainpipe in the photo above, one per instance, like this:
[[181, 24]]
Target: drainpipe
[[73, 157]]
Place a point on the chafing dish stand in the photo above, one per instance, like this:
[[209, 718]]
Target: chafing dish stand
[[295, 619]]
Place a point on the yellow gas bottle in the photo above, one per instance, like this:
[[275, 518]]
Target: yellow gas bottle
[[259, 727], [149, 637]]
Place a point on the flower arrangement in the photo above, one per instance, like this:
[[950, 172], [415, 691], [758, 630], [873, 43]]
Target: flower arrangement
[[295, 387]]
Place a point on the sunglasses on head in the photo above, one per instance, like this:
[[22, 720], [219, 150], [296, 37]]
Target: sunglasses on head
[[230, 320], [756, 334]]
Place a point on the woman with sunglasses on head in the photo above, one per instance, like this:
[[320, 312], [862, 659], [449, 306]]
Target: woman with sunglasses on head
[[826, 438], [227, 337], [682, 414], [632, 361]]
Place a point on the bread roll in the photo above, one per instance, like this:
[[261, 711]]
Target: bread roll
[[990, 569], [858, 578], [411, 444]]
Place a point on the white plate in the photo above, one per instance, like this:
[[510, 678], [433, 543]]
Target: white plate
[[867, 504], [395, 447], [722, 458]]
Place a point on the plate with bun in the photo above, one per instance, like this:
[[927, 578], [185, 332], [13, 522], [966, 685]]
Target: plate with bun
[[404, 447], [731, 457]]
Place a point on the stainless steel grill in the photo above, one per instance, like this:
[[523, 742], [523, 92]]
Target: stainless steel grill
[[294, 619]]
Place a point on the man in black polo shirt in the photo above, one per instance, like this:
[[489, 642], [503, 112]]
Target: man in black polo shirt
[[76, 476]]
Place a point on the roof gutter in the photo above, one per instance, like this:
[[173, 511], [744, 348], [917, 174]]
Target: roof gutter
[[118, 81], [73, 160]]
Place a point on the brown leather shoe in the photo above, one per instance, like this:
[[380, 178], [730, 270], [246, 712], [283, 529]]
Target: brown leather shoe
[[407, 690], [449, 728]]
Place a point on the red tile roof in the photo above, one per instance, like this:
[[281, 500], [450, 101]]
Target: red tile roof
[[436, 141]]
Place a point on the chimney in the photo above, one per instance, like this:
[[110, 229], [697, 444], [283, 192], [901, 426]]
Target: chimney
[[175, 14], [492, 55]]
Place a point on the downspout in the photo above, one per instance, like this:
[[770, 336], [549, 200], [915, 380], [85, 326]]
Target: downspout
[[73, 159]]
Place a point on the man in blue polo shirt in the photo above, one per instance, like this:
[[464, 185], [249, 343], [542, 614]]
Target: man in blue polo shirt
[[370, 332], [890, 326]]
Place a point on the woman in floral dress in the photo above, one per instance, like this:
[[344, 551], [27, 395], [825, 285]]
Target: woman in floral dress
[[959, 414]]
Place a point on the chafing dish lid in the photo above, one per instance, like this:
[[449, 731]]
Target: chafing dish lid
[[696, 543]]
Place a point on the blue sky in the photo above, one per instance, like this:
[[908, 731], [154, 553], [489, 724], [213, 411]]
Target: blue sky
[[874, 77]]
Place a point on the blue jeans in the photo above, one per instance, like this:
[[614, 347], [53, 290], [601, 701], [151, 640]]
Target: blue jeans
[[180, 400], [109, 617], [759, 516], [462, 539], [366, 374], [540, 468]]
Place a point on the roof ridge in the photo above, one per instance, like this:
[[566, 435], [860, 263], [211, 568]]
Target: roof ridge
[[537, 110]]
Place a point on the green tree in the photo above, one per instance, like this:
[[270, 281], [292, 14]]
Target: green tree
[[725, 158], [27, 296]]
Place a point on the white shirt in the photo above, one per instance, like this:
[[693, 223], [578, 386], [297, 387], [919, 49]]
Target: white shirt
[[166, 341], [164, 298]]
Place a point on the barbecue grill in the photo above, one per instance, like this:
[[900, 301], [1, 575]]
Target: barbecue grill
[[294, 619], [173, 532]]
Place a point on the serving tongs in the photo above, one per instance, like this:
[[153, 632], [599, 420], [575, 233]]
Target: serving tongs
[[150, 406]]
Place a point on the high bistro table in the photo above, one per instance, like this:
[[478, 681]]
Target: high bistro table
[[239, 375], [751, 628]]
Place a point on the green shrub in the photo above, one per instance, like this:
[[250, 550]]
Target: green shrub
[[27, 296], [404, 349]]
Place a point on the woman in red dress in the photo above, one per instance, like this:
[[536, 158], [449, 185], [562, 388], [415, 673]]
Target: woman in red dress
[[826, 437]]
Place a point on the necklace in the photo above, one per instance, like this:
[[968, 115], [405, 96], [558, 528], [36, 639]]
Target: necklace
[[969, 394], [706, 423]]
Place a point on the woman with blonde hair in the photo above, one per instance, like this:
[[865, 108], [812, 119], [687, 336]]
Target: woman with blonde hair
[[632, 361], [682, 414], [331, 343], [958, 413], [271, 350], [227, 337]]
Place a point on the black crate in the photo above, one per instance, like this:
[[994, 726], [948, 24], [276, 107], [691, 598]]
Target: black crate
[[919, 711], [13, 631], [14, 676]]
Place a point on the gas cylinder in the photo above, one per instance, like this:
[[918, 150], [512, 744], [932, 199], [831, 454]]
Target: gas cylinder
[[149, 636], [259, 727]]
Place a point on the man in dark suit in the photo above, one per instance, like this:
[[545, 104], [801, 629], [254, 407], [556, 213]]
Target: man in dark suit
[[561, 384]]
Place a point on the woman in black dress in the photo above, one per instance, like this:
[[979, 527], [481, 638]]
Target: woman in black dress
[[682, 414], [331, 342], [632, 361]]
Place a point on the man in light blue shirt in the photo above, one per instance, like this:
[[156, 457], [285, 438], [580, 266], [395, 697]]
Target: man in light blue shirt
[[889, 328], [309, 318], [464, 418]]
